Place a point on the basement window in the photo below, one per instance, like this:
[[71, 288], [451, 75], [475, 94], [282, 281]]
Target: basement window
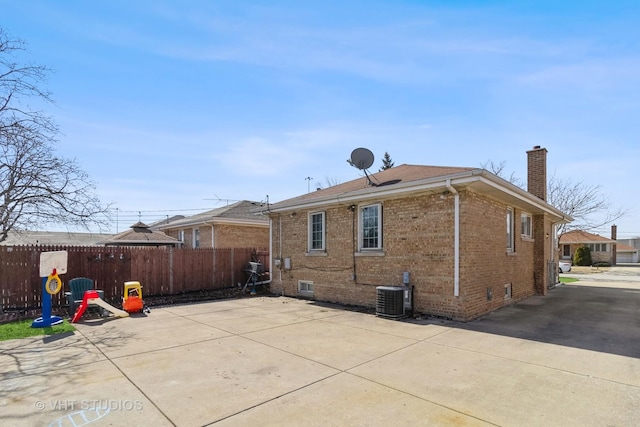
[[507, 291], [305, 287]]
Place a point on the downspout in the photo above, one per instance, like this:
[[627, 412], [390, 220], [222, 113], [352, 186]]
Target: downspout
[[456, 239], [280, 251]]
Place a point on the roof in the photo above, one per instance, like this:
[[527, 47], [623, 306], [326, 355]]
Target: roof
[[157, 224], [406, 180], [239, 213], [621, 247], [53, 238], [140, 234], [579, 236]]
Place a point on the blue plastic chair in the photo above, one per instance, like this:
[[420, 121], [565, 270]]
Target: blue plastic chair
[[77, 288]]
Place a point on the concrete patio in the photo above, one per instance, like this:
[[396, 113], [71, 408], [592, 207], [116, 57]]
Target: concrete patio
[[274, 361]]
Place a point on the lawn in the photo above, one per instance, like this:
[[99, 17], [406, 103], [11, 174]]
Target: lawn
[[568, 279], [23, 329]]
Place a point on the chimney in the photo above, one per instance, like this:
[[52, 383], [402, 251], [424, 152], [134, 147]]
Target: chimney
[[537, 172]]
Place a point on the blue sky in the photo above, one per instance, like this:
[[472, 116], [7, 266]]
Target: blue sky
[[173, 107]]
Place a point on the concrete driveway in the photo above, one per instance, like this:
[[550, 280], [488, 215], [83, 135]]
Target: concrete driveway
[[571, 358]]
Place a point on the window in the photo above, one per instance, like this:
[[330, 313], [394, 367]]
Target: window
[[316, 232], [566, 251], [371, 227], [181, 235], [196, 237], [598, 247], [525, 225], [305, 287], [510, 241]]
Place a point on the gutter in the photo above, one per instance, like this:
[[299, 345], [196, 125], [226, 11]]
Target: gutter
[[456, 239]]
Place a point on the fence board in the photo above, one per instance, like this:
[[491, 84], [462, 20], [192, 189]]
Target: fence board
[[161, 271]]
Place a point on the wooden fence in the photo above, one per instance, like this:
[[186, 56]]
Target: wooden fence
[[161, 271]]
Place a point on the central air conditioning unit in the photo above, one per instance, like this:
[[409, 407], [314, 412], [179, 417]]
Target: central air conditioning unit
[[390, 301]]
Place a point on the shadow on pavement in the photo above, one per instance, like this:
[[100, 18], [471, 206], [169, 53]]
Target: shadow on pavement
[[587, 317]]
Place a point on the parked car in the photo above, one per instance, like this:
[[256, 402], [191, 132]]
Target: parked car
[[564, 267]]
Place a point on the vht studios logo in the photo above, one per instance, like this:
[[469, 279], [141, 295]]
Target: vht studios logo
[[106, 405]]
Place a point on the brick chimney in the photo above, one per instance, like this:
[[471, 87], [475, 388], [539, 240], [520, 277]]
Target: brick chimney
[[537, 172]]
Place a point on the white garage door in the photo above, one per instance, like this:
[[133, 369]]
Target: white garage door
[[627, 257]]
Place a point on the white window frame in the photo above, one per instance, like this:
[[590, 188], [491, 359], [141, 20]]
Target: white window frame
[[526, 225], [181, 236], [598, 247], [510, 231], [310, 231], [305, 287], [196, 238], [361, 226]]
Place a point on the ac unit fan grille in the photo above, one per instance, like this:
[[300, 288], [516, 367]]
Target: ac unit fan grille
[[390, 301]]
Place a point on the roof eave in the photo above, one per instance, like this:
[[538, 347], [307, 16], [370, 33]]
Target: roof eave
[[429, 184], [216, 220]]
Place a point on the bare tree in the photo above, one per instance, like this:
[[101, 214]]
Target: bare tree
[[588, 206], [499, 170], [36, 186], [328, 182]]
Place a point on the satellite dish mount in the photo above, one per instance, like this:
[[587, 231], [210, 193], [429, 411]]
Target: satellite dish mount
[[362, 158]]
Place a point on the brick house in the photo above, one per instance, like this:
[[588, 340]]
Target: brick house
[[232, 226], [602, 249], [466, 241]]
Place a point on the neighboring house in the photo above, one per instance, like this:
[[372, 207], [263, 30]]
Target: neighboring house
[[634, 242], [63, 238], [601, 247], [466, 241], [139, 234], [627, 254], [233, 226]]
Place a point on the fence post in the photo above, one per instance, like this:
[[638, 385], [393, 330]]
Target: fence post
[[171, 270], [233, 266], [214, 269]]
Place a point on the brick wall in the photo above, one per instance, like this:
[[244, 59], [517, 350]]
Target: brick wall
[[226, 236], [486, 266], [236, 236], [418, 238]]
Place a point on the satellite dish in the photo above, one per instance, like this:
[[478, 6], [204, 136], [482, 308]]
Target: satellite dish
[[361, 158]]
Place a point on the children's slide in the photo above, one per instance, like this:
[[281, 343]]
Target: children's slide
[[102, 303], [92, 297]]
